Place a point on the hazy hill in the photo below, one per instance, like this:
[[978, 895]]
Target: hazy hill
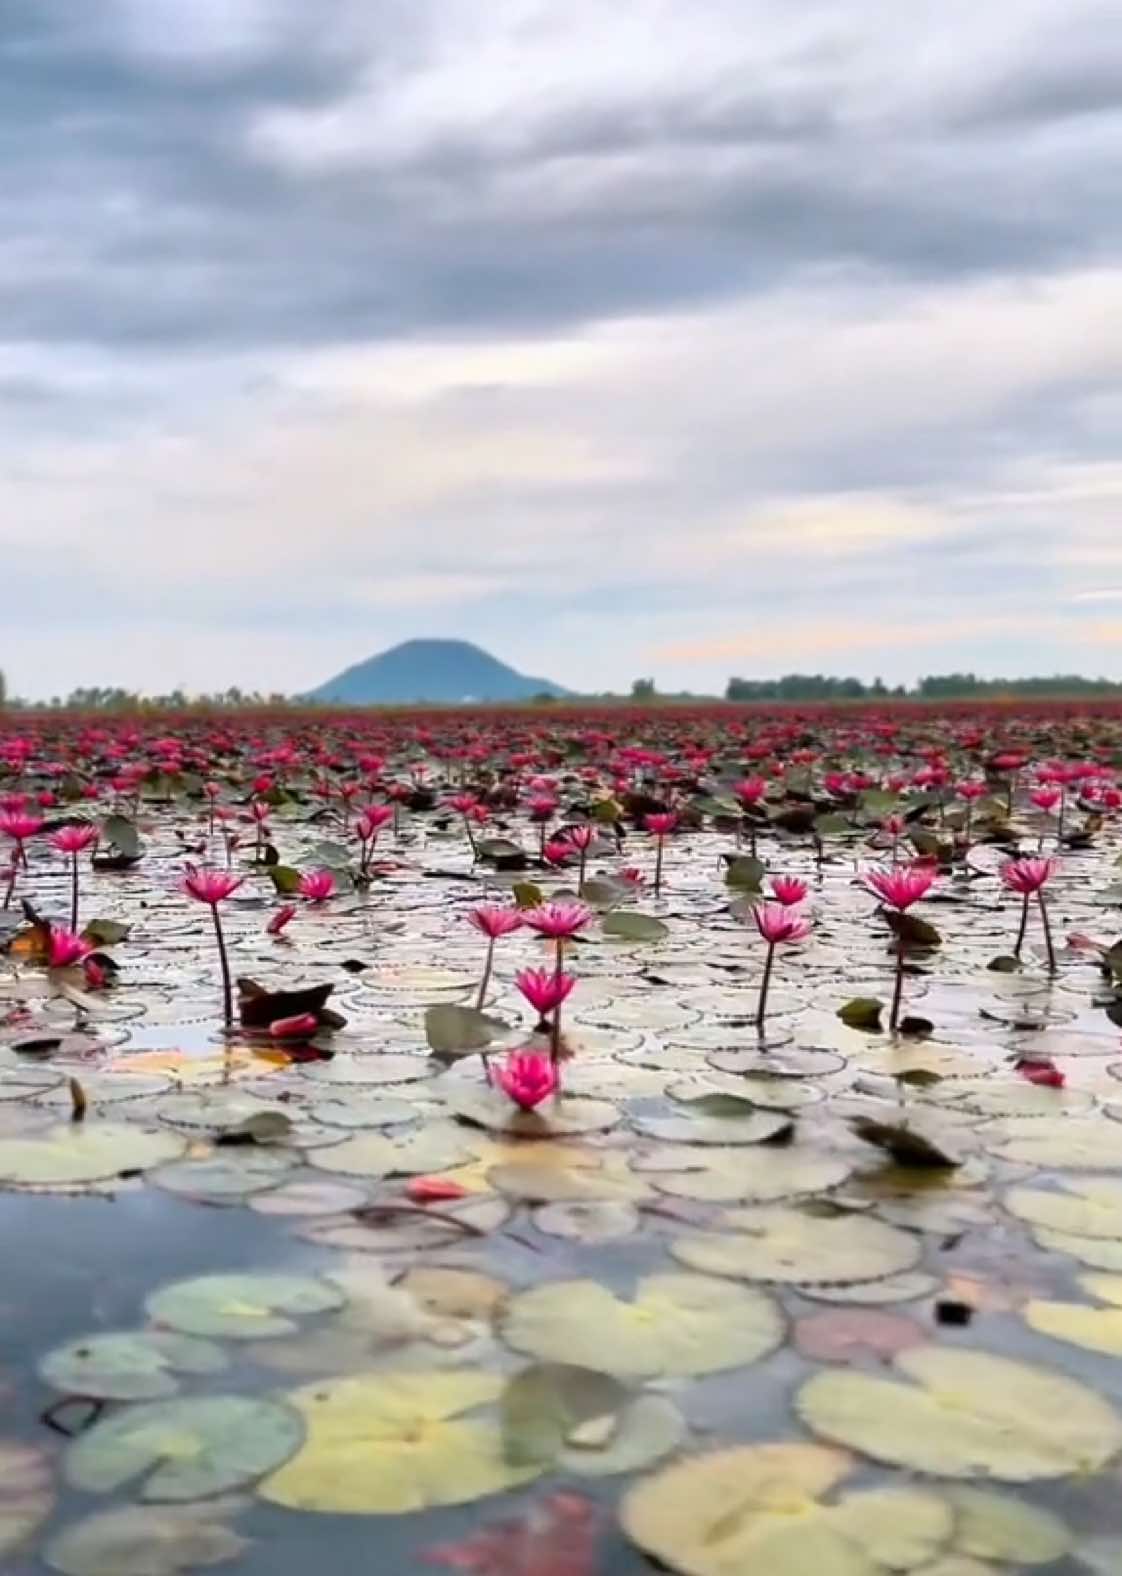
[[431, 670]]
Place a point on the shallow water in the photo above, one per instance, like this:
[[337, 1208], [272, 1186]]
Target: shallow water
[[652, 1026]]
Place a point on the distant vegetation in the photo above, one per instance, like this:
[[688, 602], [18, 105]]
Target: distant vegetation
[[936, 686]]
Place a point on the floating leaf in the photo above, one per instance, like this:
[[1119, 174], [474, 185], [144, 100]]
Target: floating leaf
[[631, 926], [846, 1335], [92, 1152], [389, 1444], [560, 1117], [760, 1507], [747, 1127], [225, 1177], [600, 1220], [863, 1012], [121, 834], [1098, 1253], [436, 1147], [1066, 1143], [998, 1527], [761, 1176], [907, 1146], [457, 1031], [772, 1243], [184, 1449], [966, 1414], [144, 1541], [243, 1307], [527, 895], [129, 1365], [1083, 1206], [105, 932], [745, 872], [286, 880], [1096, 1329], [676, 1325], [542, 1406]]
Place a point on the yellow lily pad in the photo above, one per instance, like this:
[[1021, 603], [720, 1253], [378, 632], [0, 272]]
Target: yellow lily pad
[[999, 1527], [760, 1507], [676, 1325], [387, 1444], [1096, 1329], [1082, 1206], [84, 1152], [26, 1493], [965, 1414]]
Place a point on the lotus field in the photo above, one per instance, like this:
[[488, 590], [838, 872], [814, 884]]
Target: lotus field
[[562, 1143]]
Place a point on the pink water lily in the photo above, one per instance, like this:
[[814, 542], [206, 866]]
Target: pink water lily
[[898, 889], [559, 921], [788, 890], [492, 920], [72, 841], [544, 989], [213, 887], [65, 948], [317, 886], [1028, 878], [528, 1078], [778, 924]]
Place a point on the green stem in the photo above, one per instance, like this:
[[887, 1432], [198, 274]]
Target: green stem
[[224, 964], [1024, 926], [74, 893], [658, 867], [898, 988], [1047, 930], [761, 1007], [486, 980]]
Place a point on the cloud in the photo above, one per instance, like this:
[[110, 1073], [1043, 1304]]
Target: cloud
[[588, 334]]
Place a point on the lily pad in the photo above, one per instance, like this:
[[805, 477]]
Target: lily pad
[[1070, 1143], [129, 1365], [1081, 1206], [773, 1243], [600, 1220], [760, 1176], [490, 1108], [184, 1450], [436, 1147], [389, 1444], [966, 1414], [72, 1153], [241, 1307], [753, 1127], [676, 1325], [225, 1177], [138, 1540], [999, 1527], [1095, 1329], [761, 1507]]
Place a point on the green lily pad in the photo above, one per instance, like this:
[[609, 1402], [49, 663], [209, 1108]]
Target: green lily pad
[[225, 1177], [436, 1147], [129, 1365], [244, 1307], [998, 1527], [184, 1450], [139, 1540]]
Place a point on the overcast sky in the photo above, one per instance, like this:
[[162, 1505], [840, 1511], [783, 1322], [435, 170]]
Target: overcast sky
[[669, 337]]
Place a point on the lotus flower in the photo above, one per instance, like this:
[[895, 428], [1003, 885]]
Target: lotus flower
[[72, 841], [788, 891], [1029, 877], [900, 888], [777, 924], [559, 921], [213, 887], [492, 920], [65, 948], [528, 1078], [317, 886], [544, 989]]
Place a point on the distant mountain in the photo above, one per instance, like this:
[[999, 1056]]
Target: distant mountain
[[431, 670]]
